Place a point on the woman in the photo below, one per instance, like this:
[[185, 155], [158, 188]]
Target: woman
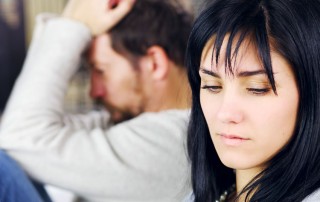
[[254, 70]]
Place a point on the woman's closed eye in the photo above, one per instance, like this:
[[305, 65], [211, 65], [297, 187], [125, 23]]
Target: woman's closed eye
[[259, 91], [251, 90], [212, 88]]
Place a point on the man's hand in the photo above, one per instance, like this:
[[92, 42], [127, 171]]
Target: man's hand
[[98, 15]]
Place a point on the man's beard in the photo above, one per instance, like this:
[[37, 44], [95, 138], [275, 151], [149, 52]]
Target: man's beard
[[117, 116]]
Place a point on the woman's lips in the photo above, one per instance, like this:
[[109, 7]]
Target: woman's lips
[[232, 140]]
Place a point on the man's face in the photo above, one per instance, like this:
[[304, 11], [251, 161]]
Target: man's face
[[115, 81]]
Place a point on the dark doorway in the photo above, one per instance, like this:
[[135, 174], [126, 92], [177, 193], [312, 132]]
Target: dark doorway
[[12, 45]]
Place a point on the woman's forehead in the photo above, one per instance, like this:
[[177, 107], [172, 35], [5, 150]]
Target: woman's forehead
[[247, 54], [210, 49]]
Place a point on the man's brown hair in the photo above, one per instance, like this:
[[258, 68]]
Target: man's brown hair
[[154, 22]]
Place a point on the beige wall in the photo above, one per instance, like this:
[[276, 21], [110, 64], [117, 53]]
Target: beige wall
[[34, 7]]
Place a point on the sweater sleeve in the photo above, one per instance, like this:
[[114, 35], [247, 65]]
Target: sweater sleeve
[[141, 160], [52, 60]]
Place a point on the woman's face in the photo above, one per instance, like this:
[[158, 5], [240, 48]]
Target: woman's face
[[248, 123]]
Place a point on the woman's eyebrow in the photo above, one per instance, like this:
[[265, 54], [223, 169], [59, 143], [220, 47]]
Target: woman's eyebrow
[[251, 73], [210, 73], [240, 74]]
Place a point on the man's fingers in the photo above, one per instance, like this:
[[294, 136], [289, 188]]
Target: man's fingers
[[121, 9], [99, 15]]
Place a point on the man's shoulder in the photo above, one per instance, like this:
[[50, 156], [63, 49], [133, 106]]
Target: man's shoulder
[[164, 123], [170, 114], [163, 118]]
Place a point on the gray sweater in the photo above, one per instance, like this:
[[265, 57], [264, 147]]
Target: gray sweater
[[143, 159]]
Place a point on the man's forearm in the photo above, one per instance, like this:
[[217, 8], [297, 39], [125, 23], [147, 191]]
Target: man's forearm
[[39, 91]]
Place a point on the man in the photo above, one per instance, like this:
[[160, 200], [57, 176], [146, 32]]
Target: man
[[137, 72], [15, 186], [130, 63]]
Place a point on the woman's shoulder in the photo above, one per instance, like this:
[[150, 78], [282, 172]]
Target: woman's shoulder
[[314, 197]]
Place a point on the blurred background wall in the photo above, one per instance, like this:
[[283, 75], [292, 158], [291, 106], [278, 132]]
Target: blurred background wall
[[17, 19], [34, 7], [12, 45]]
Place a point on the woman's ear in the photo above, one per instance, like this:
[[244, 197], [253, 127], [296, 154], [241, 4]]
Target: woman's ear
[[158, 62]]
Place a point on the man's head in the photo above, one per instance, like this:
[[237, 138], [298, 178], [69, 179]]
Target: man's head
[[132, 63]]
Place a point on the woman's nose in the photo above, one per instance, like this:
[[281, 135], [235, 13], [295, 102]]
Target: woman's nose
[[230, 111]]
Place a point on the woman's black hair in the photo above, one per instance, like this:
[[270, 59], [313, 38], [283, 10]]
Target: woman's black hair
[[292, 29]]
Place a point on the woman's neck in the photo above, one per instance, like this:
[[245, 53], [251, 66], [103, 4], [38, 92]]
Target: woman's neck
[[243, 177]]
